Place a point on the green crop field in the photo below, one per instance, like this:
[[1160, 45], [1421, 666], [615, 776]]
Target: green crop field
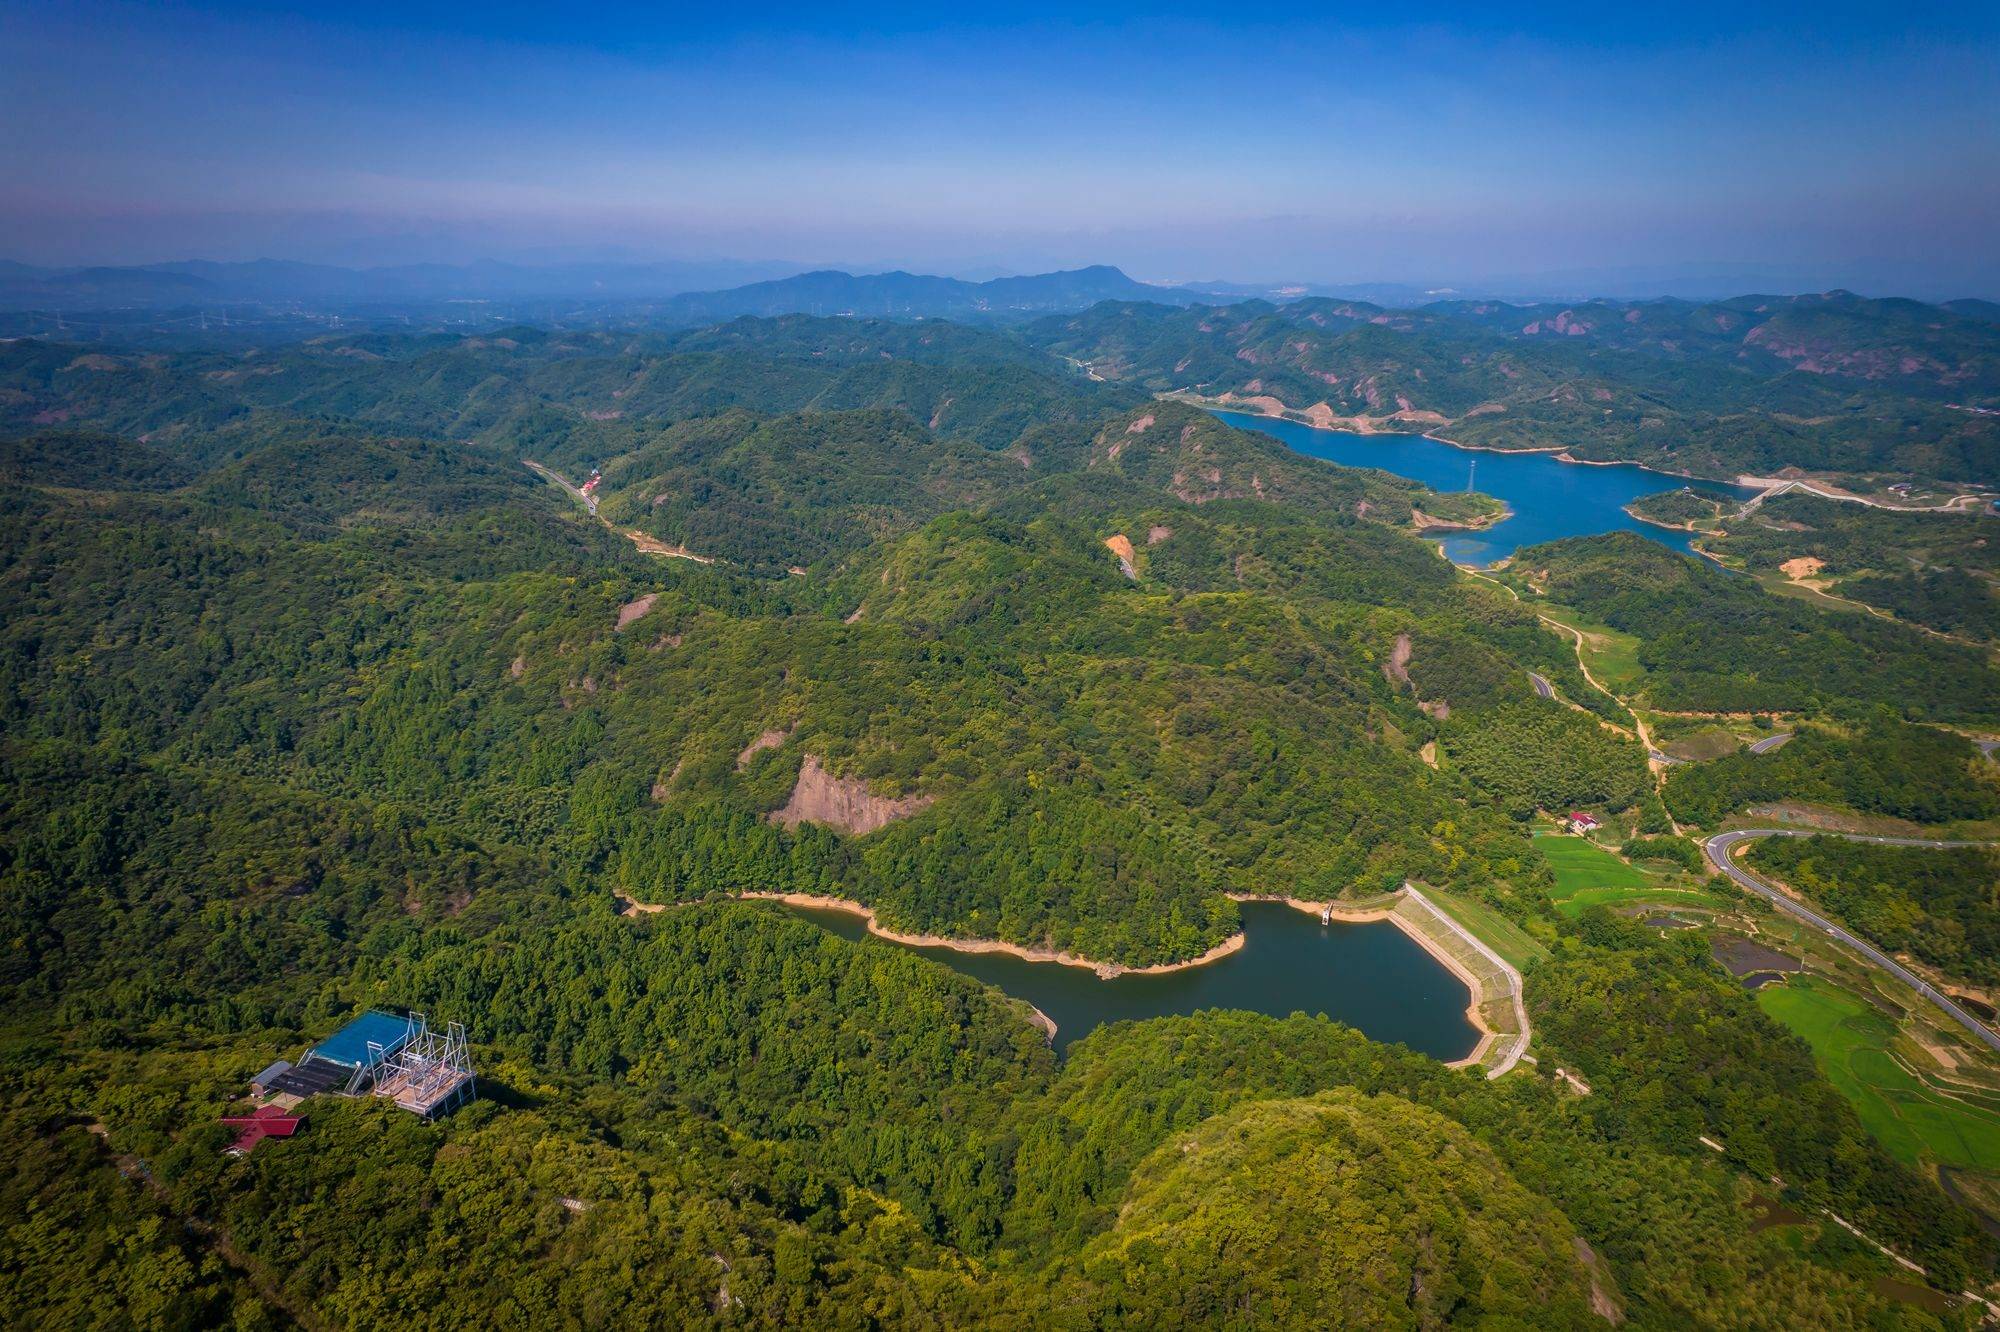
[[1850, 1040], [1580, 863], [1612, 656], [1587, 875], [1657, 896]]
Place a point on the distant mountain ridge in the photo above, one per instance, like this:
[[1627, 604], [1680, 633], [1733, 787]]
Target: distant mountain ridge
[[202, 282], [680, 293], [913, 295]]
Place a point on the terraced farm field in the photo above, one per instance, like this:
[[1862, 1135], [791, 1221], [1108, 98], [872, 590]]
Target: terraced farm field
[[1852, 1043], [1587, 875]]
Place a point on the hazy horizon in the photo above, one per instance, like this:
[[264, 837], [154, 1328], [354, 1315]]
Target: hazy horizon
[[1847, 146], [723, 273]]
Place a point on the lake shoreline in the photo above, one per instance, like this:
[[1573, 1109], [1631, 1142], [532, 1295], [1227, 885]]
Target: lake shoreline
[[1103, 970], [1655, 522], [1426, 526], [1559, 452], [1352, 914], [1376, 911]]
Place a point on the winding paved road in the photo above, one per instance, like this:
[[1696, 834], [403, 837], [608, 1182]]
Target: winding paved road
[[1719, 847], [1770, 742], [1543, 689]]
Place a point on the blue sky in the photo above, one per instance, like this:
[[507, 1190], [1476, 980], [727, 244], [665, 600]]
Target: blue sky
[[1200, 141]]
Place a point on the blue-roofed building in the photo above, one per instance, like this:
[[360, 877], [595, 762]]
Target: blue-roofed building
[[349, 1047], [348, 1060], [426, 1072]]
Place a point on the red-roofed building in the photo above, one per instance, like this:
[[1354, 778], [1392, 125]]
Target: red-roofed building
[[1581, 823], [267, 1121]]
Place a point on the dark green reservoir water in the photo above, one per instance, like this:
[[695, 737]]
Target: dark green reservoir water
[[1371, 976], [1550, 499]]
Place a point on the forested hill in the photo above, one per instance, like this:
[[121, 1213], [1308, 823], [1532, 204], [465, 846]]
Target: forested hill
[[1834, 383], [315, 698], [1719, 642], [564, 397], [1939, 570], [1868, 390], [767, 443], [772, 493]]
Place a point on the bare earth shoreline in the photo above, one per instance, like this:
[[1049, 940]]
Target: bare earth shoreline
[[1347, 912], [1104, 970], [1560, 452]]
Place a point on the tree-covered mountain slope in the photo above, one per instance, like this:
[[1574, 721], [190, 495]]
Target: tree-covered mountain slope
[[1833, 383], [772, 493], [299, 716], [569, 398], [1003, 672], [1938, 570], [1421, 1225], [1712, 641], [777, 493]]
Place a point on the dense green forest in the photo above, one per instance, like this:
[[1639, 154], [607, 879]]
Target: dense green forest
[[1542, 755], [1712, 641], [1831, 383], [300, 714], [1877, 766], [1951, 601], [1934, 569], [1942, 905], [1678, 508]]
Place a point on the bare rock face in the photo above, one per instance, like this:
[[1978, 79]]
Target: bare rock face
[[1121, 546], [765, 740], [1397, 668], [1156, 534], [632, 610], [842, 802]]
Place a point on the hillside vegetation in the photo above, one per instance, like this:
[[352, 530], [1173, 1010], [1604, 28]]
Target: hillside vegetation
[[1878, 766], [320, 714], [1939, 570], [1833, 383], [1710, 641], [1937, 904]]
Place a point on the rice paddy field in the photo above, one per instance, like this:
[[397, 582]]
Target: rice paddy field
[[1587, 875], [1911, 1115]]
